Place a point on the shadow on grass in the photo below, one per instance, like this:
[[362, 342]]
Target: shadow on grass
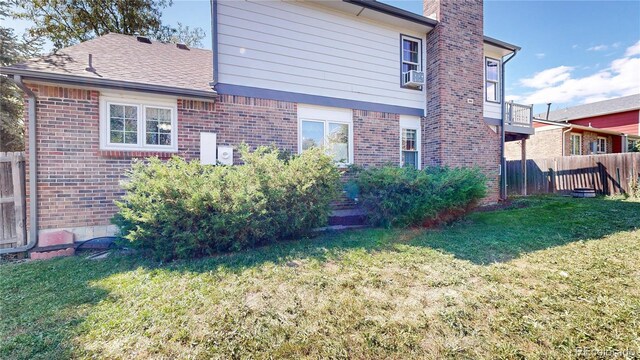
[[44, 302], [500, 236]]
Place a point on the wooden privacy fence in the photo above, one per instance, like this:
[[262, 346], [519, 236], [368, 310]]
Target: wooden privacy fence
[[608, 174], [12, 200]]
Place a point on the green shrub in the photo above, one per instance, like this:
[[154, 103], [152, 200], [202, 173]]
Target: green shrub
[[395, 196], [180, 209]]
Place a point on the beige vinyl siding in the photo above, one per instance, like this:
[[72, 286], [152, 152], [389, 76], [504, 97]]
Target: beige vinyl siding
[[308, 49]]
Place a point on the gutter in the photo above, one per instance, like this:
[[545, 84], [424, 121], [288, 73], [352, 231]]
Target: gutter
[[33, 171], [393, 11], [503, 162], [107, 83], [214, 43]]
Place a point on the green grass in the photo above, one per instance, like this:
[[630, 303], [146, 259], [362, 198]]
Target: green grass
[[533, 282]]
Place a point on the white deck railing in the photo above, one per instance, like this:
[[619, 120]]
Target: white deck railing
[[518, 114]]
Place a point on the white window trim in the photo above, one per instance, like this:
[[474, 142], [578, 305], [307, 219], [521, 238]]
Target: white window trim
[[412, 123], [326, 115], [579, 136], [498, 83], [598, 145], [403, 61], [142, 103]]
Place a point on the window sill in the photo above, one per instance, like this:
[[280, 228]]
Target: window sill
[[135, 154]]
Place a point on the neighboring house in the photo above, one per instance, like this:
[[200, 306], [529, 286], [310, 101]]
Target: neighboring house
[[604, 127], [373, 83]]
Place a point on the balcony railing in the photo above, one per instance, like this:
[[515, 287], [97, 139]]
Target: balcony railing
[[518, 114]]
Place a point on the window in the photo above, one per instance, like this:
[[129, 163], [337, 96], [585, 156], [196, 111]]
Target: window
[[633, 145], [128, 123], [410, 141], [601, 145], [327, 128], [411, 54], [492, 79], [576, 144]]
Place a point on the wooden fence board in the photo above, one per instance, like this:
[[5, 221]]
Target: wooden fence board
[[607, 174], [12, 200]]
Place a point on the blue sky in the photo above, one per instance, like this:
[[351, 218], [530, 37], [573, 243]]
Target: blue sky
[[573, 52]]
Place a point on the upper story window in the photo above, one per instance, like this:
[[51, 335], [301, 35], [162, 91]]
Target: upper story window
[[128, 123], [411, 59], [576, 144], [492, 79]]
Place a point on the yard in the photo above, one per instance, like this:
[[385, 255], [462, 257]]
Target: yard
[[543, 280]]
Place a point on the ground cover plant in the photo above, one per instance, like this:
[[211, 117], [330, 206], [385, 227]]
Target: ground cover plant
[[549, 278]]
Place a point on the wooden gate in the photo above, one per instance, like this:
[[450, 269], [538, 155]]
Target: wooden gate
[[12, 200]]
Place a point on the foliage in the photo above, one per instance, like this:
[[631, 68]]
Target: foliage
[[66, 22], [12, 50], [403, 196], [533, 282], [181, 209]]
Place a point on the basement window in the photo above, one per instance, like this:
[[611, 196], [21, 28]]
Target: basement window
[[138, 124]]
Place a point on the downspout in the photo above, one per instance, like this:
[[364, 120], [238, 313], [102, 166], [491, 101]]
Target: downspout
[[214, 42], [503, 163], [33, 171]]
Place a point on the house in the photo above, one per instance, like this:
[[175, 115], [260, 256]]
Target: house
[[603, 127], [373, 83]]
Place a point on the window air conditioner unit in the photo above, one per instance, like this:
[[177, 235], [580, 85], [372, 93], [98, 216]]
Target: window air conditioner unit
[[413, 78]]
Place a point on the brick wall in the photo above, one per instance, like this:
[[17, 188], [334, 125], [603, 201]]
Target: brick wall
[[454, 132], [78, 182], [548, 144], [376, 138]]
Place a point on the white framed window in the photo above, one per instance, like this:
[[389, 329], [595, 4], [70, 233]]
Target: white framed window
[[492, 79], [328, 128], [134, 122], [411, 56], [576, 144], [410, 141], [601, 145]]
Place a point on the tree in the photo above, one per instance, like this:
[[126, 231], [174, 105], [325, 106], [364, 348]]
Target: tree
[[12, 50], [67, 22]]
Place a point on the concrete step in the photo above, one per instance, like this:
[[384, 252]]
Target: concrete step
[[347, 217]]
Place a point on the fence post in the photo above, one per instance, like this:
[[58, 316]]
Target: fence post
[[17, 174], [523, 163]]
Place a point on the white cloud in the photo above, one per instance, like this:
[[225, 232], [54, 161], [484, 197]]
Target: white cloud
[[557, 85], [574, 46], [598, 48], [633, 50], [540, 55], [548, 77]]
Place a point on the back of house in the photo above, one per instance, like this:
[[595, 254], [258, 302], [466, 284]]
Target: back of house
[[372, 83]]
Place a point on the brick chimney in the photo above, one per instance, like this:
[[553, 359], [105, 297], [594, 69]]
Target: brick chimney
[[454, 132]]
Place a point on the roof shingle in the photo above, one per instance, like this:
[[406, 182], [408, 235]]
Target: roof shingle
[[124, 58], [621, 104]]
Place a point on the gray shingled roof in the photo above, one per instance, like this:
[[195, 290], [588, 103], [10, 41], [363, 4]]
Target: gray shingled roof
[[616, 105], [123, 58]]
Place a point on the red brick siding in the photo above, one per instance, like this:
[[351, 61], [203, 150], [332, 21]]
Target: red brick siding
[[78, 182], [549, 143], [376, 138], [454, 131]]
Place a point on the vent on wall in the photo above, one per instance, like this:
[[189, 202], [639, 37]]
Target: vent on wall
[[182, 46], [144, 39]]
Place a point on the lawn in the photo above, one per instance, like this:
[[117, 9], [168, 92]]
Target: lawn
[[542, 281]]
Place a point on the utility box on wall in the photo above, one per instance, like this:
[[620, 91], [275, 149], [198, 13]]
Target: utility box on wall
[[225, 155], [208, 148]]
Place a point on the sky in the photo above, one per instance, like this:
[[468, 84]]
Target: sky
[[573, 52]]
